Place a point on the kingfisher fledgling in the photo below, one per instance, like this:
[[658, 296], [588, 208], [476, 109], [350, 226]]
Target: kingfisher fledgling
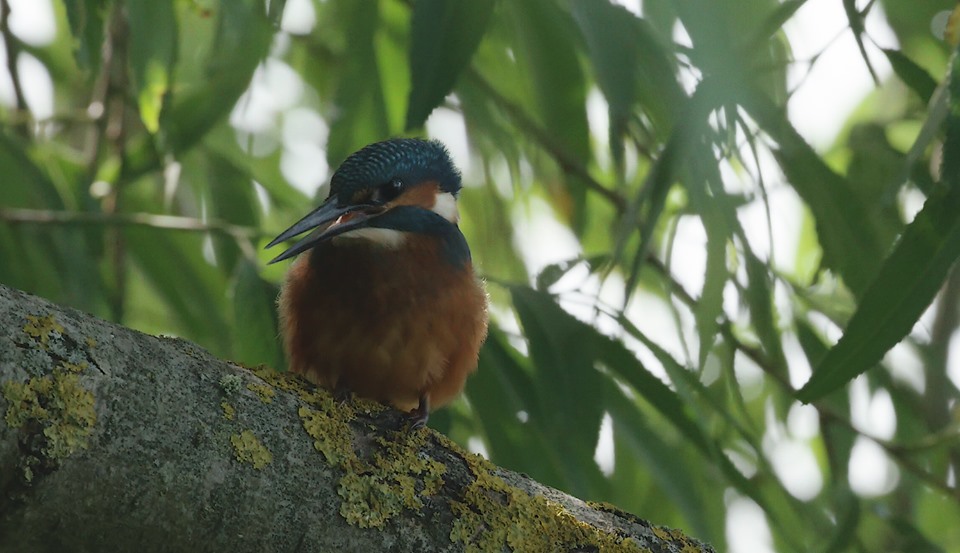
[[385, 302]]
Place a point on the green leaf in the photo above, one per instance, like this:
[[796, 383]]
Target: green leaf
[[275, 11], [912, 539], [725, 45], [650, 201], [153, 51], [710, 305], [221, 142], [188, 284], [847, 507], [230, 197], [552, 273], [850, 245], [444, 36], [499, 392], [675, 474], [86, 18], [557, 92], [242, 40], [548, 55], [760, 301], [255, 330], [912, 74], [775, 20], [631, 65], [624, 364], [565, 375], [359, 98], [50, 260], [909, 278]]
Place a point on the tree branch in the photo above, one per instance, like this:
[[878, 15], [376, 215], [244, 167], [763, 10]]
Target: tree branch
[[556, 150], [112, 440], [243, 235]]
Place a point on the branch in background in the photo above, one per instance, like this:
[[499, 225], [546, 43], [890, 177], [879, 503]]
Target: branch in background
[[557, 151], [243, 235], [940, 391], [896, 451], [112, 133], [12, 45]]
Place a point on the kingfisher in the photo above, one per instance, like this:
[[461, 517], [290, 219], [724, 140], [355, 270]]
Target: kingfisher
[[385, 302]]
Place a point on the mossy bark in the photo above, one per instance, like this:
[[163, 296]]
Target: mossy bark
[[112, 440]]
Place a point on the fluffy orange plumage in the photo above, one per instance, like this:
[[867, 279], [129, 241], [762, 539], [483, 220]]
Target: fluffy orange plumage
[[385, 302], [389, 324]]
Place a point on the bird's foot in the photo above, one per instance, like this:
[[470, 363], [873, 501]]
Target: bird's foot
[[418, 417], [341, 394]]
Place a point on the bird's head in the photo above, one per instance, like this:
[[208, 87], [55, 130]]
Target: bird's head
[[379, 191]]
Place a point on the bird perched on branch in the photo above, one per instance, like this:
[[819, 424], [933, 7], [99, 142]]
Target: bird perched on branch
[[385, 302]]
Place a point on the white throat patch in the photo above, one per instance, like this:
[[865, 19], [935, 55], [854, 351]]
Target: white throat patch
[[388, 238], [446, 206]]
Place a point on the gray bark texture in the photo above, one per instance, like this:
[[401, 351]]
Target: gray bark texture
[[113, 440]]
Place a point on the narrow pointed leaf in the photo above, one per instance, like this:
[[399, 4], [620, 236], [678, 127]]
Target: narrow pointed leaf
[[86, 24], [564, 356], [504, 398], [630, 63], [849, 244], [153, 52], [444, 36], [909, 278], [360, 96], [911, 74], [255, 332], [710, 305], [242, 39]]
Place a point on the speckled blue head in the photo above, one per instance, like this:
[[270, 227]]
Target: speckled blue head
[[361, 191], [411, 160]]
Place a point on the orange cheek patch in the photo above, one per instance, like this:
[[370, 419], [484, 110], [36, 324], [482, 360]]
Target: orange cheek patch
[[422, 195]]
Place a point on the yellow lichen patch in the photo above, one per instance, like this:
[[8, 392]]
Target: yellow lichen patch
[[59, 405], [74, 367], [41, 327], [494, 515], [264, 392], [377, 489], [314, 395], [285, 381], [248, 449], [373, 489], [331, 437], [660, 533], [678, 537], [367, 502], [91, 343], [229, 412]]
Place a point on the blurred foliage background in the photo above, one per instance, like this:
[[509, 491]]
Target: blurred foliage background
[[669, 259]]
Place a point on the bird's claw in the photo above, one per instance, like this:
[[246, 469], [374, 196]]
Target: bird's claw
[[419, 416], [341, 394]]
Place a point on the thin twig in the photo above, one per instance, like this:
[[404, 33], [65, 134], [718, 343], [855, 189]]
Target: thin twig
[[151, 220], [897, 452], [12, 45], [557, 151], [112, 134]]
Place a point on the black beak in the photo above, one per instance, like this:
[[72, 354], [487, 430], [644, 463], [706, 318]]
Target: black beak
[[328, 220]]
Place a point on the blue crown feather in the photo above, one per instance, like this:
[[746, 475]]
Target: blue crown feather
[[412, 160]]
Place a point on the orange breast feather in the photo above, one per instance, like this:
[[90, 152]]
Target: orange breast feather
[[387, 324]]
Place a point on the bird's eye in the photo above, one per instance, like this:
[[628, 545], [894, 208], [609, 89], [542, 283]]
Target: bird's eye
[[389, 190]]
